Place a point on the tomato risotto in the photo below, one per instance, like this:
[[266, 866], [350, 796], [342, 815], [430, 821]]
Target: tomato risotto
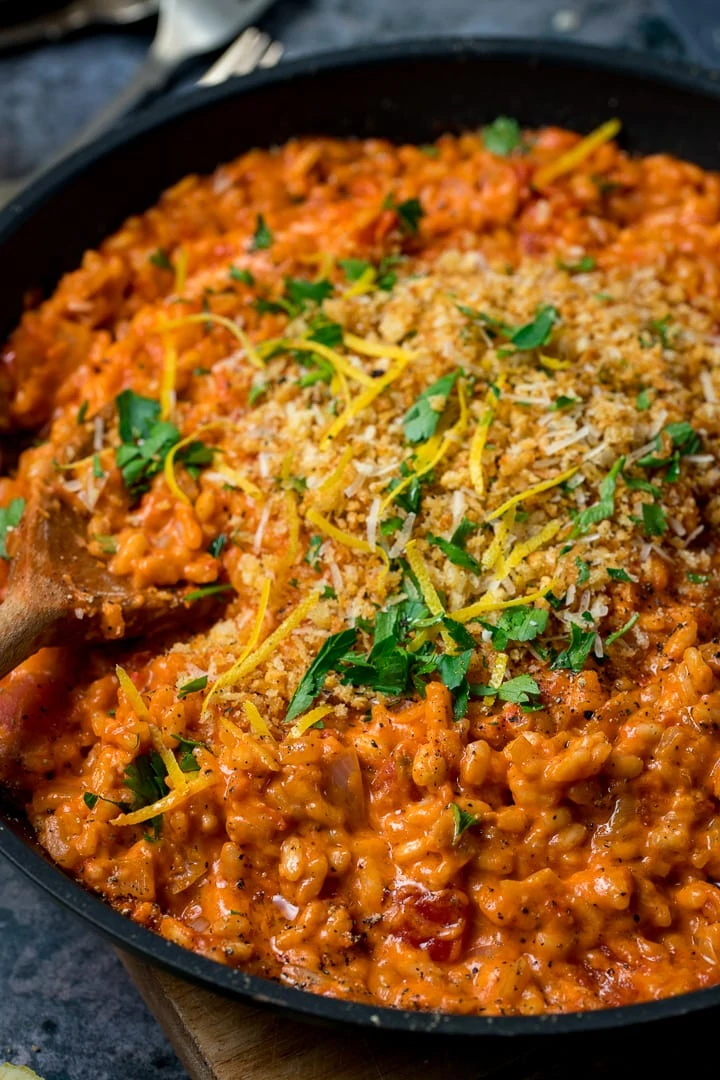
[[437, 427]]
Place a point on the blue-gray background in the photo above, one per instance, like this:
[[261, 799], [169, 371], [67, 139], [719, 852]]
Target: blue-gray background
[[67, 1008]]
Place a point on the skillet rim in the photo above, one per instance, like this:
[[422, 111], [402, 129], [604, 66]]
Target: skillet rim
[[26, 856]]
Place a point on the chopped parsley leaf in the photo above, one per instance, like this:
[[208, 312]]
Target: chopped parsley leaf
[[618, 575], [579, 648], [583, 266], [462, 821], [312, 557], [217, 545], [518, 691], [643, 401], [605, 507], [538, 332], [325, 332], [107, 543], [521, 623], [262, 237], [698, 579], [9, 519], [301, 292], [331, 652], [612, 638], [192, 687], [502, 136], [145, 777], [563, 402], [256, 392], [409, 213], [206, 590], [421, 419], [464, 530], [242, 275], [583, 570], [328, 593], [97, 467], [161, 259], [354, 269], [82, 412], [456, 554], [653, 519], [390, 526]]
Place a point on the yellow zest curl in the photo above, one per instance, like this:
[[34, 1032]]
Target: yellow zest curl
[[340, 364], [355, 543], [304, 722], [175, 776], [132, 694], [536, 489], [167, 382], [221, 320], [490, 602], [551, 363], [169, 463], [577, 154], [526, 547], [169, 802], [362, 401], [229, 677], [257, 723], [364, 284], [181, 265]]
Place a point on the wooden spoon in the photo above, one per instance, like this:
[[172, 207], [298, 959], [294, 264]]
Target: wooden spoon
[[60, 594]]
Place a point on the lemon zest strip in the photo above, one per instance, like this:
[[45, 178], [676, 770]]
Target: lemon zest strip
[[221, 320], [362, 401], [377, 349], [490, 602], [420, 570], [576, 154], [176, 777], [257, 722], [181, 265], [339, 363], [536, 489], [526, 547], [341, 537], [229, 677], [239, 480], [169, 463], [553, 364], [168, 802], [167, 382], [304, 722], [494, 553], [497, 675], [132, 694], [364, 284]]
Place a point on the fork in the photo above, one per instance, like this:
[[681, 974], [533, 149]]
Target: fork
[[252, 49], [74, 17]]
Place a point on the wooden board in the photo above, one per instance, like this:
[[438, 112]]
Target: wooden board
[[217, 1039]]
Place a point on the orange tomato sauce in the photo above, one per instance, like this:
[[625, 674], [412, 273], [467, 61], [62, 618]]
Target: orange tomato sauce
[[583, 873]]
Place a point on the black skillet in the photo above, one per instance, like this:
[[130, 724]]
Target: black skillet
[[404, 92]]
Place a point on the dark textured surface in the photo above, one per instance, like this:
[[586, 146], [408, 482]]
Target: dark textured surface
[[67, 1009]]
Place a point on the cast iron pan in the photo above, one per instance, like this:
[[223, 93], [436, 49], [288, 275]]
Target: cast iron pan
[[404, 92]]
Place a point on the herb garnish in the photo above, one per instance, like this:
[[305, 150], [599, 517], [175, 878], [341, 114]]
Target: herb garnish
[[518, 691], [242, 275], [421, 419], [161, 259], [653, 519], [583, 266], [563, 402], [538, 332], [262, 237], [146, 441], [409, 213], [698, 579], [583, 570], [516, 624], [618, 575], [331, 652], [605, 507], [82, 412], [206, 590], [145, 777], [643, 401], [462, 821], [312, 557], [192, 687], [9, 519], [574, 656], [612, 638], [502, 136], [217, 544], [455, 553]]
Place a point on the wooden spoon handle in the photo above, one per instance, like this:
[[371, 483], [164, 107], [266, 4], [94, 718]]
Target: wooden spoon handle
[[24, 628]]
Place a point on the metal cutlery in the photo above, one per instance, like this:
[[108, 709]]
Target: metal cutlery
[[179, 36], [76, 16]]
